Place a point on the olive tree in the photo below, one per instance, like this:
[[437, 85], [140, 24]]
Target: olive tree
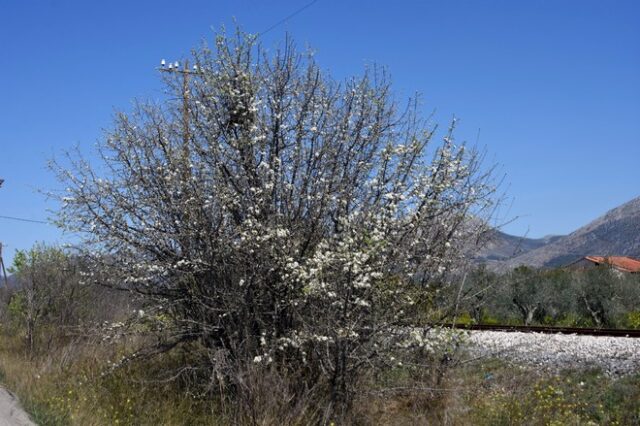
[[596, 293], [274, 216], [528, 294]]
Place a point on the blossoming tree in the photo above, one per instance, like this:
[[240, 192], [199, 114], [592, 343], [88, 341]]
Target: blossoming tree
[[275, 217]]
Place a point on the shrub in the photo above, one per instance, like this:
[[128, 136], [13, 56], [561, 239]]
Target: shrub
[[277, 218]]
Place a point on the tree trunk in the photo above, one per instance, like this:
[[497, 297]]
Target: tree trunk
[[30, 332]]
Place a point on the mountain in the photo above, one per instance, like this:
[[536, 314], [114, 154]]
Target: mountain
[[501, 247], [617, 232], [12, 281]]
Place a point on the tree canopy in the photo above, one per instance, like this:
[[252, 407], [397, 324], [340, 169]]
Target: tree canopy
[[276, 217]]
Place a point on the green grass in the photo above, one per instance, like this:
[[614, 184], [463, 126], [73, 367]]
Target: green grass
[[569, 397], [80, 393], [490, 392]]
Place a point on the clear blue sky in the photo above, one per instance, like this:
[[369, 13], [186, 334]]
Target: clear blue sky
[[553, 86]]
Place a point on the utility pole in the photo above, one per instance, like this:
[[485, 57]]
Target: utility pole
[[4, 271], [186, 73]]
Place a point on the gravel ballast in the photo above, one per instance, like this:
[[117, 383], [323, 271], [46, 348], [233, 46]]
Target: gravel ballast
[[614, 355]]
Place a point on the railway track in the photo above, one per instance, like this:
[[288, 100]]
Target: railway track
[[612, 332]]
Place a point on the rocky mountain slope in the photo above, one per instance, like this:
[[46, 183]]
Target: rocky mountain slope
[[12, 282], [501, 247], [615, 233]]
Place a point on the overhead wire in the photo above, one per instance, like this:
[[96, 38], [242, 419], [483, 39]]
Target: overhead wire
[[21, 219], [285, 19], [280, 22]]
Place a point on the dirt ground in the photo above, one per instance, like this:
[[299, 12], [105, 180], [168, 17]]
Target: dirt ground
[[11, 414]]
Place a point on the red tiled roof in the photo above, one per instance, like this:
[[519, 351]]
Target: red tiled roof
[[622, 263]]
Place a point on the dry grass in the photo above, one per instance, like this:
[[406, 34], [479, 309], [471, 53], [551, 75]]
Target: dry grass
[[73, 384], [67, 386]]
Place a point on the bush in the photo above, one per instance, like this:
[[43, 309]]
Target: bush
[[277, 218], [49, 292], [633, 319]]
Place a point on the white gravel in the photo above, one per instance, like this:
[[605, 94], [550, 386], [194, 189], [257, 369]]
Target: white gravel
[[614, 355]]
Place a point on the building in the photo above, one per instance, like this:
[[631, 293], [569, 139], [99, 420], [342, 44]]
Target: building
[[620, 263]]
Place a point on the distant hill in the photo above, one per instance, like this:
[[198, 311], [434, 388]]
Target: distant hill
[[12, 281], [615, 233], [502, 247]]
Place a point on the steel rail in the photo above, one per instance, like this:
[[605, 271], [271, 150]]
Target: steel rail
[[612, 332]]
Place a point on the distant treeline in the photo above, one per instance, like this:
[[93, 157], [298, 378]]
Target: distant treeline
[[598, 297]]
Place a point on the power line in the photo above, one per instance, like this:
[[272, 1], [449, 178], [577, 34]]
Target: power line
[[282, 21], [21, 219]]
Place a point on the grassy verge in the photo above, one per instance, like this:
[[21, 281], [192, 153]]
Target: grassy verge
[[508, 396], [493, 393], [74, 386], [67, 386]]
